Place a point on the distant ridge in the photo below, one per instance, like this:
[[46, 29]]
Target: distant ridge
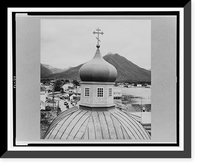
[[54, 69], [44, 71], [127, 71], [70, 74]]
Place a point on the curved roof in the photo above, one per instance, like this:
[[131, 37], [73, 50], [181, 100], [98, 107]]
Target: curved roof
[[98, 70], [77, 124]]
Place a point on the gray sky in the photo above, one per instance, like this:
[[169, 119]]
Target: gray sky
[[70, 42]]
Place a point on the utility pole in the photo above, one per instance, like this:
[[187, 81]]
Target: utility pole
[[58, 109], [53, 94], [53, 98]]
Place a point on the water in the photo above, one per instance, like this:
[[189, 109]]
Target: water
[[141, 93]]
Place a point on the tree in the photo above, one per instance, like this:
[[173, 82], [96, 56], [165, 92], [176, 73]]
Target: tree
[[66, 81], [75, 82], [135, 83], [57, 85], [62, 90]]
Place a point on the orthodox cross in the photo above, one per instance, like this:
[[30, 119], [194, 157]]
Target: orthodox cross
[[98, 31]]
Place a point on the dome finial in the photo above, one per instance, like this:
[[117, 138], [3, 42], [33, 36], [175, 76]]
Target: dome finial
[[98, 31]]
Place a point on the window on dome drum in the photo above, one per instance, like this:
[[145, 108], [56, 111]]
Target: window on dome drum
[[99, 92], [87, 92], [110, 92]]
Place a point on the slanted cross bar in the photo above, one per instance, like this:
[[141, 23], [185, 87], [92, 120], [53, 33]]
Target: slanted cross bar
[[98, 31]]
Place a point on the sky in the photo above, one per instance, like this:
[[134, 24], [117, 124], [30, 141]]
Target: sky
[[69, 42]]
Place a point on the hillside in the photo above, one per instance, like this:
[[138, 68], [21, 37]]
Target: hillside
[[54, 69], [71, 74], [127, 71], [44, 71]]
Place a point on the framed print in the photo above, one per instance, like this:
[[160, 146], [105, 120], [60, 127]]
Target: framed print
[[99, 82]]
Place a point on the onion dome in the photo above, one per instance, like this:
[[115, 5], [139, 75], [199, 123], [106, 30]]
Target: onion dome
[[86, 124], [98, 70]]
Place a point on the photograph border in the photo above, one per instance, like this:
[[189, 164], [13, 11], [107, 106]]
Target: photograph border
[[105, 14], [186, 153]]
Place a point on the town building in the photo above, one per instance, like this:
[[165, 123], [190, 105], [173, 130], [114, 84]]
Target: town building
[[97, 117], [43, 97], [67, 86], [117, 93], [139, 85]]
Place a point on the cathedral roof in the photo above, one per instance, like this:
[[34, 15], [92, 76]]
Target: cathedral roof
[[98, 70], [86, 124]]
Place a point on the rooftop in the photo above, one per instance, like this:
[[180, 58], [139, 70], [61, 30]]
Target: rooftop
[[86, 124]]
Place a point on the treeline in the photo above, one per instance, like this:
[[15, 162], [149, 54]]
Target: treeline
[[77, 83], [47, 80], [134, 82], [57, 85]]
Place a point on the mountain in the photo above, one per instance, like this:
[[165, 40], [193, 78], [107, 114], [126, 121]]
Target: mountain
[[44, 71], [54, 69], [127, 71], [71, 73]]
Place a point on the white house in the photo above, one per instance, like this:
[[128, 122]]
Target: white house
[[43, 96], [139, 85], [66, 86], [78, 89], [42, 105], [148, 86], [146, 120], [117, 93]]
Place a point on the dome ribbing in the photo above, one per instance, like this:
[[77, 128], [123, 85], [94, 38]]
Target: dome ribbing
[[83, 124]]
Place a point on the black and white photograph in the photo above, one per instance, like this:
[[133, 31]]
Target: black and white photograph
[[95, 81], [99, 82]]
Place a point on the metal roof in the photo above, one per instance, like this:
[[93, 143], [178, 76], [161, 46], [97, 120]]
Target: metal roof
[[98, 70], [83, 124]]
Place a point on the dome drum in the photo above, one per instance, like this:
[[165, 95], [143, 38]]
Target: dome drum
[[97, 94]]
